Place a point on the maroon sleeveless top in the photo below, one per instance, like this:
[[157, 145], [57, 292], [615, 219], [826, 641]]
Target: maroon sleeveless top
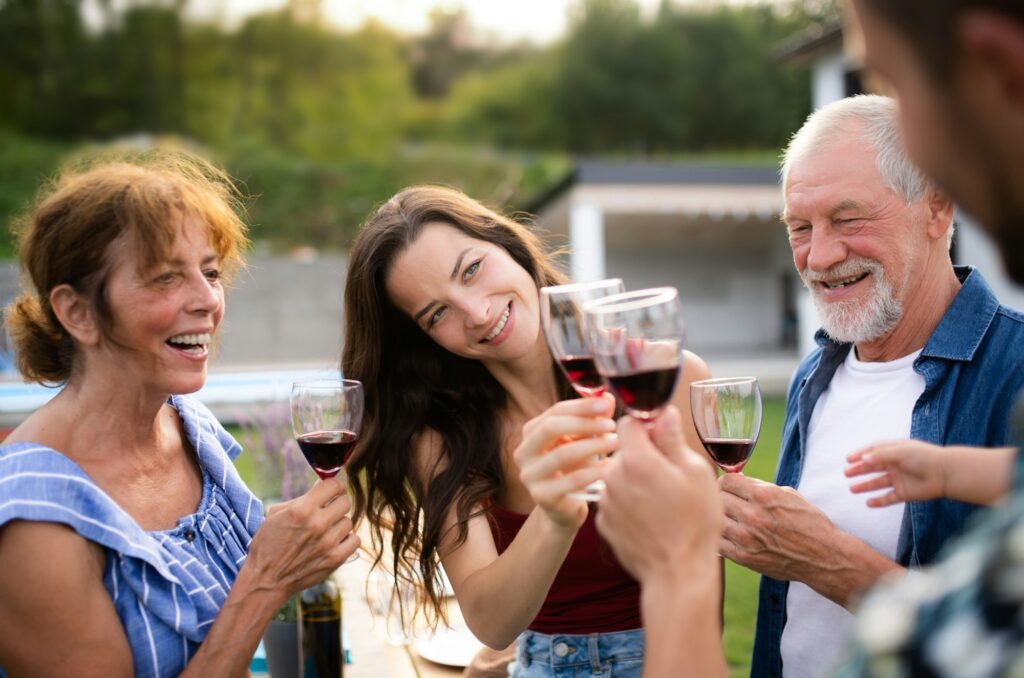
[[591, 592]]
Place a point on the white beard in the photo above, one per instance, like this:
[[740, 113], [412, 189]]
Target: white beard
[[856, 320]]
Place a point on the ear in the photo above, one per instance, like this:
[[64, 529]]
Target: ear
[[991, 46], [75, 313], [940, 213]]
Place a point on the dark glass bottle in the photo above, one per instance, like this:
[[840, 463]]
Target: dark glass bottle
[[321, 651]]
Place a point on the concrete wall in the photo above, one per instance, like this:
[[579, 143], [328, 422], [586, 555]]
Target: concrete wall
[[278, 312]]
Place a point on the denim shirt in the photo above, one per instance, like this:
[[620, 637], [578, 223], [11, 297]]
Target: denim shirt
[[973, 367]]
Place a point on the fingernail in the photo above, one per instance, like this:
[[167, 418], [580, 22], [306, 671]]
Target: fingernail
[[597, 405], [611, 438], [607, 425]]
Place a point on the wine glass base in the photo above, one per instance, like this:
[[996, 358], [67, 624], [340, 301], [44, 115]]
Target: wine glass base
[[591, 492]]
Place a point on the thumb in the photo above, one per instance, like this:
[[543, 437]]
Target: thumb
[[668, 434]]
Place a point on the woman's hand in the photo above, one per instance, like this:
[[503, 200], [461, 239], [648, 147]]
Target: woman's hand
[[557, 453], [304, 540], [910, 469]]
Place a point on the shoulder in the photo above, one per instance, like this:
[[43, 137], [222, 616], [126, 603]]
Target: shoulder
[[694, 367]]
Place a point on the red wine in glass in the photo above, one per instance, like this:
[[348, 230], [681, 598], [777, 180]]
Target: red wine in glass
[[583, 375], [645, 392], [327, 451], [326, 417], [727, 416], [636, 339], [731, 454]]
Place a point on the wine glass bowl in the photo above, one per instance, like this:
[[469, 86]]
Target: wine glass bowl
[[562, 319], [727, 416], [326, 417], [637, 343]]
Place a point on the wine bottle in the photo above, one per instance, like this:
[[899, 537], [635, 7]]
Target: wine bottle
[[320, 645]]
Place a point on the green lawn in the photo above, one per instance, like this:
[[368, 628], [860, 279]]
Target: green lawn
[[740, 583]]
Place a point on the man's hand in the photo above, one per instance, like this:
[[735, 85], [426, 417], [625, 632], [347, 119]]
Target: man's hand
[[775, 531]]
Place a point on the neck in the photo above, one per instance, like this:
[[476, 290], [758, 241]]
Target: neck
[[114, 420], [924, 304], [529, 381]]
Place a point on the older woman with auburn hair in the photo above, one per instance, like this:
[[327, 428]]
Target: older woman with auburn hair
[[128, 543]]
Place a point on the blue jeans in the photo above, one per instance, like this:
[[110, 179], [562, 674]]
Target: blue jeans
[[610, 655]]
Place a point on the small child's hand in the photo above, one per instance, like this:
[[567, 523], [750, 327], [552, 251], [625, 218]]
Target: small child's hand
[[912, 471]]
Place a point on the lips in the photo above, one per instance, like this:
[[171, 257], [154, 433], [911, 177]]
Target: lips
[[499, 327], [195, 344]]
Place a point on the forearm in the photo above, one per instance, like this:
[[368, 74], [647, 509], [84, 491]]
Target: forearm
[[681, 623], [978, 475], [851, 568], [500, 600], [235, 634]]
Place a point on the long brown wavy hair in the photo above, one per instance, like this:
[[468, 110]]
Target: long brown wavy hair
[[413, 386]]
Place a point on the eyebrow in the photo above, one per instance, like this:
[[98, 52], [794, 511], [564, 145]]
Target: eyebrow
[[847, 204], [455, 272]]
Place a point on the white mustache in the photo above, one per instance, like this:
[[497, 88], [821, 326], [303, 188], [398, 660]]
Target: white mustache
[[843, 270]]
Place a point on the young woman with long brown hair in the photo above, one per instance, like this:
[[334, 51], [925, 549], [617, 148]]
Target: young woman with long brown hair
[[473, 438]]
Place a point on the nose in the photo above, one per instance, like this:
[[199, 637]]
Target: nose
[[475, 310], [206, 296], [826, 248]]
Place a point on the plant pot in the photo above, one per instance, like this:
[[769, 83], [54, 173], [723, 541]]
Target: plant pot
[[281, 641]]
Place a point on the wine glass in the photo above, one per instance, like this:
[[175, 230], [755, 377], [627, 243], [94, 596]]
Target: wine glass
[[727, 415], [326, 417], [562, 319], [636, 339]]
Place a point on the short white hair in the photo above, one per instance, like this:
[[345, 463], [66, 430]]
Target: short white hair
[[876, 119]]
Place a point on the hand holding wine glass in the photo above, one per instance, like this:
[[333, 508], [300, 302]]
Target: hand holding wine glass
[[326, 417], [727, 415], [637, 343]]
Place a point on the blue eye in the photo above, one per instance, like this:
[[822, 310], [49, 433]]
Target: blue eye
[[471, 270], [436, 316]]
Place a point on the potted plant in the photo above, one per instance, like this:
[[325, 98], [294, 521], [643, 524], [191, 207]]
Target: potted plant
[[279, 474]]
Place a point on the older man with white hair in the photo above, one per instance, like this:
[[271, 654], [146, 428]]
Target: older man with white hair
[[911, 347]]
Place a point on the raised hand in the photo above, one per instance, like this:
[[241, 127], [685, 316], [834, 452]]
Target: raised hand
[[910, 469], [555, 455]]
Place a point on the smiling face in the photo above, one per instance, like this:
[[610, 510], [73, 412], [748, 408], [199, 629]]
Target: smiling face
[[857, 246], [164, 318], [469, 295]]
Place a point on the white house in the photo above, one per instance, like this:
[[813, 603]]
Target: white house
[[712, 231]]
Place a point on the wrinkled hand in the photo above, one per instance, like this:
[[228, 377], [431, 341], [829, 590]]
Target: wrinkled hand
[[304, 540], [773, 530], [660, 508], [557, 453], [912, 471]]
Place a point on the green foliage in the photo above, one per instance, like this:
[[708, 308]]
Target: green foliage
[[323, 125], [25, 164]]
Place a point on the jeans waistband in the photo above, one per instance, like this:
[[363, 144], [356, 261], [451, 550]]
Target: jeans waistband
[[592, 649]]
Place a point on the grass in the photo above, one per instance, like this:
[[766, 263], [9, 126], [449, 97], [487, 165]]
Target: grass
[[740, 583]]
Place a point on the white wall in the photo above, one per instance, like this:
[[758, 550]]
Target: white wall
[[732, 293]]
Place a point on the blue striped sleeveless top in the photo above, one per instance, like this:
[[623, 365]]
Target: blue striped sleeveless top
[[167, 586]]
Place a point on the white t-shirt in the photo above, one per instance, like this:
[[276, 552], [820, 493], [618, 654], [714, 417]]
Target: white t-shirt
[[864, 403]]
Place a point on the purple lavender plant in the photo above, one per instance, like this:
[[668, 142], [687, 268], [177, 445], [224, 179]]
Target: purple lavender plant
[[266, 434]]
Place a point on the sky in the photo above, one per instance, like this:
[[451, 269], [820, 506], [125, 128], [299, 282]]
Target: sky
[[537, 21]]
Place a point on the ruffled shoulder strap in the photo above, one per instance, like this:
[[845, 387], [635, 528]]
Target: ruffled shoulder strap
[[38, 483]]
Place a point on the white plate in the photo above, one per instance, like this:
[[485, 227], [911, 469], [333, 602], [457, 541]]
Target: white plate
[[449, 646]]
